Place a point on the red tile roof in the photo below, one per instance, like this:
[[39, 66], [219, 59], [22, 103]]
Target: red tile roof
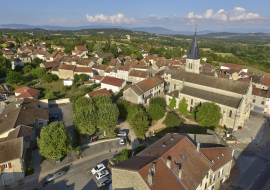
[[244, 80], [101, 91], [219, 155], [112, 81], [26, 92], [83, 70], [81, 48], [113, 62], [266, 81], [67, 67], [123, 68], [48, 65], [137, 73], [234, 66], [97, 77]]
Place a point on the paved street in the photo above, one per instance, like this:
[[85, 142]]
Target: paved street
[[254, 169]]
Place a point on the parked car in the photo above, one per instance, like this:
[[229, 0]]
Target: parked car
[[51, 177], [80, 83], [53, 116], [122, 141], [122, 134], [104, 181], [98, 168], [102, 174]]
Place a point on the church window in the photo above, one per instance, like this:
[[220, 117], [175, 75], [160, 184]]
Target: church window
[[191, 102], [174, 86], [230, 115], [189, 65]]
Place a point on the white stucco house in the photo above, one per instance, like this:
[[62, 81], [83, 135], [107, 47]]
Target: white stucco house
[[113, 84]]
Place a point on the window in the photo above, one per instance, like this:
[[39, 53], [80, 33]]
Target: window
[[253, 100], [207, 175], [5, 166], [213, 187], [191, 102], [230, 115], [262, 102], [205, 187], [174, 86]]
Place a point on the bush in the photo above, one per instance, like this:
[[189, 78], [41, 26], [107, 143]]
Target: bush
[[18, 68], [76, 77], [158, 100], [65, 88], [84, 77], [125, 154], [73, 87], [54, 77], [40, 72], [31, 83], [123, 108], [11, 89], [27, 69], [49, 95], [48, 78]]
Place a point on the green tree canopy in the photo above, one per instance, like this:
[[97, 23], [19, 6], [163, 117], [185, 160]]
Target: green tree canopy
[[27, 69], [171, 120], [84, 77], [107, 116], [101, 99], [76, 77], [85, 120], [14, 77], [54, 141], [49, 95], [155, 112], [105, 59], [125, 154], [182, 107], [138, 119], [40, 72], [139, 148], [83, 102], [209, 115], [48, 78], [139, 55], [5, 66], [158, 100], [123, 108], [172, 103], [37, 60], [99, 48], [74, 87]]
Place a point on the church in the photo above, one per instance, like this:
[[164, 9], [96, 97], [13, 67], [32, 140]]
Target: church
[[233, 97]]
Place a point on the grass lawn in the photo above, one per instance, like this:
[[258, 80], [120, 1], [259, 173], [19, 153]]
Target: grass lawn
[[206, 49]]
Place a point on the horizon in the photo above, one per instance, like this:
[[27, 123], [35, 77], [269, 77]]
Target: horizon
[[208, 15]]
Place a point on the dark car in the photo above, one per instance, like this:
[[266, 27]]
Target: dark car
[[48, 183], [51, 177], [53, 116]]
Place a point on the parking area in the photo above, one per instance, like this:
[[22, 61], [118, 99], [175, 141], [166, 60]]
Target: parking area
[[64, 113]]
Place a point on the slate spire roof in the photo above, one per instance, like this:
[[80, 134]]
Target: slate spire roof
[[193, 52]]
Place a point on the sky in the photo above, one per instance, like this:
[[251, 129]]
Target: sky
[[177, 15]]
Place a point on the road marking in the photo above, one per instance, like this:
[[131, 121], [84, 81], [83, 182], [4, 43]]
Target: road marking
[[251, 185]]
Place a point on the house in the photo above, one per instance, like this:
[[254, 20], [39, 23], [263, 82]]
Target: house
[[123, 72], [68, 82], [141, 92], [259, 99], [204, 59], [25, 49], [12, 166], [41, 54], [97, 78], [99, 69], [229, 66], [53, 55], [24, 57], [27, 92], [82, 62], [49, 65], [101, 55], [103, 91], [66, 71], [113, 84], [84, 70], [114, 63], [16, 62], [59, 48], [81, 48], [8, 54], [265, 83], [136, 76], [174, 163]]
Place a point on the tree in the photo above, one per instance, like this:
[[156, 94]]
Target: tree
[[54, 141], [158, 100], [139, 55], [123, 108], [99, 48], [182, 107], [195, 110], [125, 154], [105, 59], [76, 77], [84, 77], [37, 60], [83, 102], [27, 69], [85, 120], [171, 120], [155, 112], [40, 72], [48, 78], [138, 119], [65, 88], [14, 77], [172, 103], [107, 116], [210, 59], [101, 99], [5, 66], [33, 72], [209, 115]]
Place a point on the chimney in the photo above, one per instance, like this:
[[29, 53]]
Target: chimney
[[6, 115], [169, 162], [154, 168], [198, 147], [164, 144], [172, 139], [18, 105], [150, 178], [180, 172]]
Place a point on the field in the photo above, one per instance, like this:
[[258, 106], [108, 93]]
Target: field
[[225, 54], [206, 49], [112, 42], [253, 70]]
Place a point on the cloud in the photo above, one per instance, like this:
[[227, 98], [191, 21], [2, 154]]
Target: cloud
[[237, 14], [117, 18], [62, 20]]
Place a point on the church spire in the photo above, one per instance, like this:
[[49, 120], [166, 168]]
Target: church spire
[[194, 48]]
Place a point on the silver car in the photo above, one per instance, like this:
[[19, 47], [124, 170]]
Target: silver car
[[104, 181], [122, 134], [122, 141], [102, 174], [51, 177]]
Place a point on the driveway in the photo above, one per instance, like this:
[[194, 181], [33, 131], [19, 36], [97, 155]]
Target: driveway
[[131, 133], [64, 112]]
